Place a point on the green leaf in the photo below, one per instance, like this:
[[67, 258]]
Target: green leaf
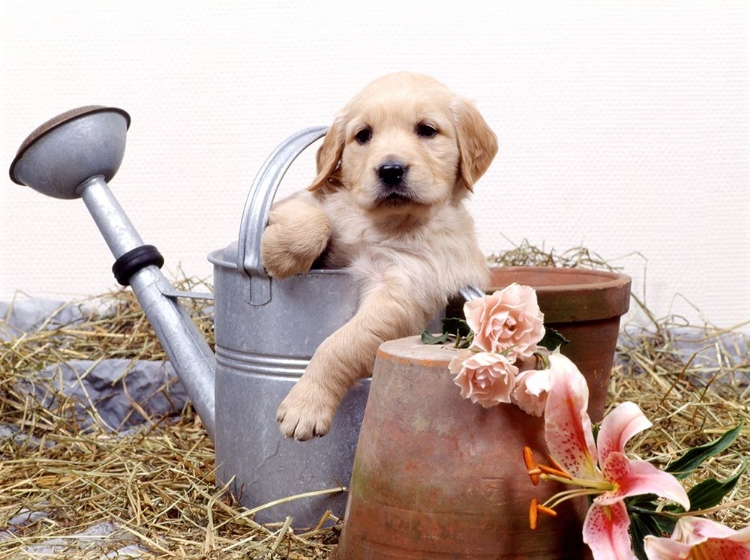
[[643, 501], [456, 326], [465, 342], [640, 526], [691, 460], [711, 492], [595, 430], [552, 339], [646, 505], [666, 523], [429, 338]]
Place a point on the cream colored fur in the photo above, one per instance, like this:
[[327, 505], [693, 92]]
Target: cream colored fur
[[407, 255]]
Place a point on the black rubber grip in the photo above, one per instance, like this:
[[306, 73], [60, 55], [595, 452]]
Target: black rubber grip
[[133, 261]]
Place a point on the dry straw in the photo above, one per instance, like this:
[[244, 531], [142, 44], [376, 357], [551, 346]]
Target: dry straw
[[155, 484]]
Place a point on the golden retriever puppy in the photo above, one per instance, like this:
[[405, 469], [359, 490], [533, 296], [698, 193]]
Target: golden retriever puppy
[[387, 206]]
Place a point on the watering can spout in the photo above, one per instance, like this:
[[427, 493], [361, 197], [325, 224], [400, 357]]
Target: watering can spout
[[73, 156]]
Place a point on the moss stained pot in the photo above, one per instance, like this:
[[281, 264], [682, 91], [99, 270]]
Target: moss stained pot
[[438, 477]]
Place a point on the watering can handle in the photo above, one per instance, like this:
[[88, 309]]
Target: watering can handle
[[258, 205]]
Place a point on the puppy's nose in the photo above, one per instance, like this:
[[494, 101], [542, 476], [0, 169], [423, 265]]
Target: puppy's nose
[[392, 173]]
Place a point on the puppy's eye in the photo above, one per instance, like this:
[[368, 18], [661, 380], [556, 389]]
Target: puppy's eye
[[364, 135], [426, 130]]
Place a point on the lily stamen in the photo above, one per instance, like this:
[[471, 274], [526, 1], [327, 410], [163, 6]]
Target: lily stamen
[[534, 471], [546, 511], [583, 487], [535, 509], [531, 466], [555, 472], [555, 463], [533, 513]]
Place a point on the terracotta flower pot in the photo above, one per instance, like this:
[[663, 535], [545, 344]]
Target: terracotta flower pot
[[585, 306], [437, 477]]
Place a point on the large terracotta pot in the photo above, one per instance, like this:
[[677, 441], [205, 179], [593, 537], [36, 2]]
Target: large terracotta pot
[[584, 306], [437, 477]]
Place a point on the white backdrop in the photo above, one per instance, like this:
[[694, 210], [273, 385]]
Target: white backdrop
[[623, 126]]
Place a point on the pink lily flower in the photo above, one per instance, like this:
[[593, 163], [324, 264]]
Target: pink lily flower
[[696, 538], [602, 470]]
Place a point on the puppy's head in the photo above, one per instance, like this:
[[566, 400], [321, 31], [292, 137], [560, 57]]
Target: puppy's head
[[405, 145]]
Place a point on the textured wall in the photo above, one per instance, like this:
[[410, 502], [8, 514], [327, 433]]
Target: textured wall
[[623, 126]]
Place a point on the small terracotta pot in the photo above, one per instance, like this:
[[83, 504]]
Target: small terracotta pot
[[438, 477]]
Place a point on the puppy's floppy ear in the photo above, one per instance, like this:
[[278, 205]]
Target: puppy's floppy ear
[[329, 155], [477, 144]]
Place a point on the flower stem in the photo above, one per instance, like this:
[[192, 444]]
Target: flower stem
[[600, 486], [713, 509], [561, 497], [542, 358]]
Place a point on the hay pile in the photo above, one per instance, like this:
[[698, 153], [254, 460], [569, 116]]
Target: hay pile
[[149, 492], [153, 484]]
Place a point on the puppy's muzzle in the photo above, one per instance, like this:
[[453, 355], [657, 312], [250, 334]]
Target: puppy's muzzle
[[392, 174]]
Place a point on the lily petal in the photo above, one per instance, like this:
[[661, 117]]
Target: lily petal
[[568, 432], [726, 549], [618, 427], [605, 530], [693, 534], [659, 548], [696, 530], [633, 477]]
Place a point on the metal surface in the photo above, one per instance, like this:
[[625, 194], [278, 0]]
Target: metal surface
[[471, 292], [72, 156], [266, 332], [110, 218], [261, 352], [258, 204], [71, 148], [188, 352], [171, 292]]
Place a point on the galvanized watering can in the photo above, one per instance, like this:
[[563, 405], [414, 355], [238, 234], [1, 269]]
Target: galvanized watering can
[[266, 330]]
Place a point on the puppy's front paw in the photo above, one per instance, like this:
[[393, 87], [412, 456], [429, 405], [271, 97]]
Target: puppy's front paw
[[283, 255], [297, 235], [306, 411]]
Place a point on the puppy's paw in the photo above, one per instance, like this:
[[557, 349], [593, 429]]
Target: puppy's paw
[[297, 235], [306, 412], [285, 256]]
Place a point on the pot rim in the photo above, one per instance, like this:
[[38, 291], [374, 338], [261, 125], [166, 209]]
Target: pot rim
[[608, 279], [219, 258], [607, 295]]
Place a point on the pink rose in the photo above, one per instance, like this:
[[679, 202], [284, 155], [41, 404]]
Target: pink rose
[[508, 320], [486, 379], [530, 392]]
